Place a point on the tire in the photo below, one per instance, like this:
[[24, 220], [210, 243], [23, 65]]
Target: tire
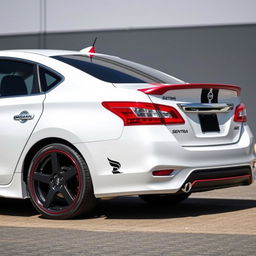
[[164, 199], [59, 183]]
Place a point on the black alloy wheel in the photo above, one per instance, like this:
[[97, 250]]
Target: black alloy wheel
[[59, 183]]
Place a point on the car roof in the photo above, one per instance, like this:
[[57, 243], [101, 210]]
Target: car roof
[[44, 52]]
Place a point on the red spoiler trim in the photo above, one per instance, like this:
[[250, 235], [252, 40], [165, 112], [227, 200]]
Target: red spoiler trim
[[160, 89]]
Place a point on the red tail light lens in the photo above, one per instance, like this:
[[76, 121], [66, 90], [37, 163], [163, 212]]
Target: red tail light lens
[[240, 114], [162, 172], [140, 113]]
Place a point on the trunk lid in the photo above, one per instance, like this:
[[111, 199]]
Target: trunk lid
[[208, 111]]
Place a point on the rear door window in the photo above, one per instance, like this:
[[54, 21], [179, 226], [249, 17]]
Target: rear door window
[[17, 78]]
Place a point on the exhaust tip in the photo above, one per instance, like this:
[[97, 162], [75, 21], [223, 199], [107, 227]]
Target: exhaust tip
[[187, 187]]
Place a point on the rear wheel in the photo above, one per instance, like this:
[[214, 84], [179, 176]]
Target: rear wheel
[[164, 199], [59, 183]]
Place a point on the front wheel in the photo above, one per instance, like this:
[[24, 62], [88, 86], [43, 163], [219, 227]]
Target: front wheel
[[59, 183], [164, 199]]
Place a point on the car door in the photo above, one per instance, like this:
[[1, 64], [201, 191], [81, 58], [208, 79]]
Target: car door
[[21, 105]]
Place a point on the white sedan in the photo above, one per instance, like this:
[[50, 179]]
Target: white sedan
[[77, 126]]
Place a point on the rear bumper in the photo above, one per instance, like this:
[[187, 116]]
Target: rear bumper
[[209, 179], [142, 150]]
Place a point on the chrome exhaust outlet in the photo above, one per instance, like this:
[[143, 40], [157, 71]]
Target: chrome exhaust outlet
[[187, 187]]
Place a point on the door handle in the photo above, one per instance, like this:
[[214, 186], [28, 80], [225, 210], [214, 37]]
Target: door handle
[[23, 117]]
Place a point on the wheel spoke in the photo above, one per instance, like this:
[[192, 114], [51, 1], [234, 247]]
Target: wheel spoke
[[44, 178], [68, 197], [69, 173], [55, 162], [49, 198]]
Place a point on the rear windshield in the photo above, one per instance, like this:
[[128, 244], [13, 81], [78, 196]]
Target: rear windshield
[[116, 70]]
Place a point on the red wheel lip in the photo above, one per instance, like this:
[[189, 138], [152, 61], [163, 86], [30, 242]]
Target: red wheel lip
[[32, 187]]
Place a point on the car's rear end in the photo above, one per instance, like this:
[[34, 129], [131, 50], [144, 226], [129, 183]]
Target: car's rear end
[[176, 137], [207, 143]]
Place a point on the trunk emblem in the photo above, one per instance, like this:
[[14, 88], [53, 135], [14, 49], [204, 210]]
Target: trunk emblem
[[210, 96], [168, 98], [180, 131]]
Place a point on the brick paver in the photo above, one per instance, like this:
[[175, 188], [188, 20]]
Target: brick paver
[[41, 241], [212, 223]]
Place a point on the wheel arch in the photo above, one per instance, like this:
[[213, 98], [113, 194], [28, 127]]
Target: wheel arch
[[37, 146]]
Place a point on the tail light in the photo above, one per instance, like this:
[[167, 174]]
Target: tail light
[[240, 114], [140, 113]]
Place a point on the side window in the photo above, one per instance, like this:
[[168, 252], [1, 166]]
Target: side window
[[48, 79], [17, 78]]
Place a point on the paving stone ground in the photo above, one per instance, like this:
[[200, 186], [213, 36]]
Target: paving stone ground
[[42, 241], [221, 222]]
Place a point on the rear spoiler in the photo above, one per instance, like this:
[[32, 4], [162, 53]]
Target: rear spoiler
[[160, 89]]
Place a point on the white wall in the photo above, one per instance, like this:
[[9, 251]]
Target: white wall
[[34, 16], [19, 16]]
